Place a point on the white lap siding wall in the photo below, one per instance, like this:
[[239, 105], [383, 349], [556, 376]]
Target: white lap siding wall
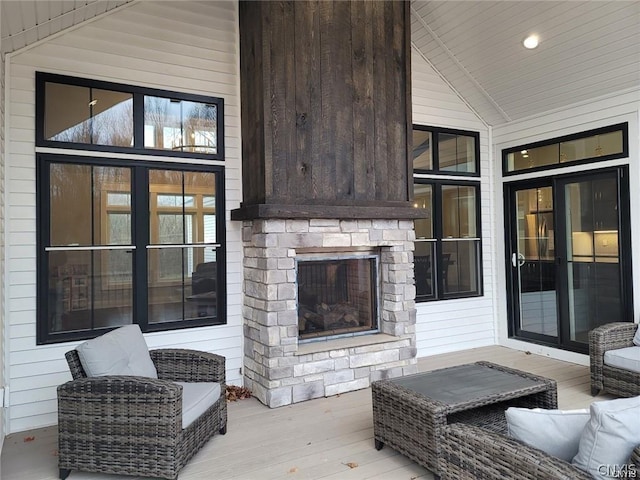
[[450, 325], [183, 46]]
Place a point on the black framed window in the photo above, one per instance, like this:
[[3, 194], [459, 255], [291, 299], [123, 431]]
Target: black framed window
[[447, 256], [122, 240], [446, 151], [597, 145], [79, 113], [125, 242]]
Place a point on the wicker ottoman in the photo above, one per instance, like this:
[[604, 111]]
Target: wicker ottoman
[[409, 413]]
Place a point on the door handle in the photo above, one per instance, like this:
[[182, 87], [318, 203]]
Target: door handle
[[517, 259]]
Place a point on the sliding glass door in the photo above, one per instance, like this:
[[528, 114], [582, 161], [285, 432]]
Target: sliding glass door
[[569, 256]]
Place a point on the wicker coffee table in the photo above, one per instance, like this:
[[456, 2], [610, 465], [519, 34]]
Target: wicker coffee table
[[410, 412]]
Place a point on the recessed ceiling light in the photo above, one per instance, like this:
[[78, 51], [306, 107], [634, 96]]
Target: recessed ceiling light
[[531, 41]]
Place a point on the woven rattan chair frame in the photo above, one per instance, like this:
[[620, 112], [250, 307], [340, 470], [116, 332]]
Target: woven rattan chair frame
[[133, 425], [413, 424], [616, 381], [471, 452]]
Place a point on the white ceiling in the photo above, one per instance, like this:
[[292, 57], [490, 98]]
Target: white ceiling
[[26, 21], [588, 49]]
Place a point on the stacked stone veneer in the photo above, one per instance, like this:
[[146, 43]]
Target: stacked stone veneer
[[275, 368]]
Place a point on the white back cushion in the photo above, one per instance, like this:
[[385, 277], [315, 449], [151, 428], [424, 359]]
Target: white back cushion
[[122, 351], [556, 432], [609, 437]]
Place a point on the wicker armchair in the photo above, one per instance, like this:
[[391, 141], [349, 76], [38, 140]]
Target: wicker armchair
[[604, 378], [133, 425], [470, 452]]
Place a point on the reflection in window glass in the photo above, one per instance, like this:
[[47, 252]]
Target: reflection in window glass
[[590, 147], [456, 153], [424, 261], [422, 151], [179, 125], [423, 198], [460, 267], [88, 115], [587, 147], [458, 211]]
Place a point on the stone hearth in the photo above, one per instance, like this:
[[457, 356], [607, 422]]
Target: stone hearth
[[279, 369]]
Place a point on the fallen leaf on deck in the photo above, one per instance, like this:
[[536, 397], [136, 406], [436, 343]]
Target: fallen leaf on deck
[[54, 453], [351, 465], [293, 470], [235, 392], [29, 439]]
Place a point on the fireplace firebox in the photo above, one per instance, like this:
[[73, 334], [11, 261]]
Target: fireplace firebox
[[337, 296]]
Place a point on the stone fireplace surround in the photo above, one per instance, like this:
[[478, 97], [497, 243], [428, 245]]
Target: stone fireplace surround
[[279, 370]]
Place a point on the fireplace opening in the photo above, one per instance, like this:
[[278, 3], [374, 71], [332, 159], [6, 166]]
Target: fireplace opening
[[337, 296]]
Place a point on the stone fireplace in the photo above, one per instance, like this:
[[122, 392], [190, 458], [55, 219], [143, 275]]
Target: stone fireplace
[[280, 368], [327, 193]]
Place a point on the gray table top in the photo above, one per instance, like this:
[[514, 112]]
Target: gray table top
[[464, 383]]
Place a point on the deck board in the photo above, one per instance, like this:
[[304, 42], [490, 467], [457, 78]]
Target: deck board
[[327, 438]]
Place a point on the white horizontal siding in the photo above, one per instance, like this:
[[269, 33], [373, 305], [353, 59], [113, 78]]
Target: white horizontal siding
[[3, 169], [450, 325], [190, 47], [595, 113]]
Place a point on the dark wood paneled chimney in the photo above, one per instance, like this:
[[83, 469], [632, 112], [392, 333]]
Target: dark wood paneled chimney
[[326, 110]]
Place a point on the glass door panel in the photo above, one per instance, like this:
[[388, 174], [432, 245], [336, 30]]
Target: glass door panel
[[533, 262], [569, 256], [593, 261]]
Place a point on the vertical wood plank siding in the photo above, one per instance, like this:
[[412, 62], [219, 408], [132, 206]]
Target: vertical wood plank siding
[[254, 128], [335, 80]]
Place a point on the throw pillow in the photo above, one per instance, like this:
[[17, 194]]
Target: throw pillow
[[556, 432], [609, 437], [122, 351], [636, 338]]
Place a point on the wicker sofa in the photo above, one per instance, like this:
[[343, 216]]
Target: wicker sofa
[[470, 452], [132, 425], [604, 378]]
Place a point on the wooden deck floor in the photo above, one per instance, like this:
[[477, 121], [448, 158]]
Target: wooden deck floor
[[328, 438]]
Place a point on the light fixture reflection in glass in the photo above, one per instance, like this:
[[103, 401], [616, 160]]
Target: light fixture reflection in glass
[[531, 42]]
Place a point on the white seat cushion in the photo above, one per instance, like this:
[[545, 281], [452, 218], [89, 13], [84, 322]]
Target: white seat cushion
[[196, 399], [625, 358], [610, 436], [556, 432], [122, 351]]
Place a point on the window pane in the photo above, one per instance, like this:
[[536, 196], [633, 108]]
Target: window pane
[[179, 125], [424, 272], [460, 267], [533, 157], [72, 213], [89, 290], [456, 153], [188, 286], [591, 147], [423, 198], [202, 187], [422, 151], [88, 115], [458, 211]]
